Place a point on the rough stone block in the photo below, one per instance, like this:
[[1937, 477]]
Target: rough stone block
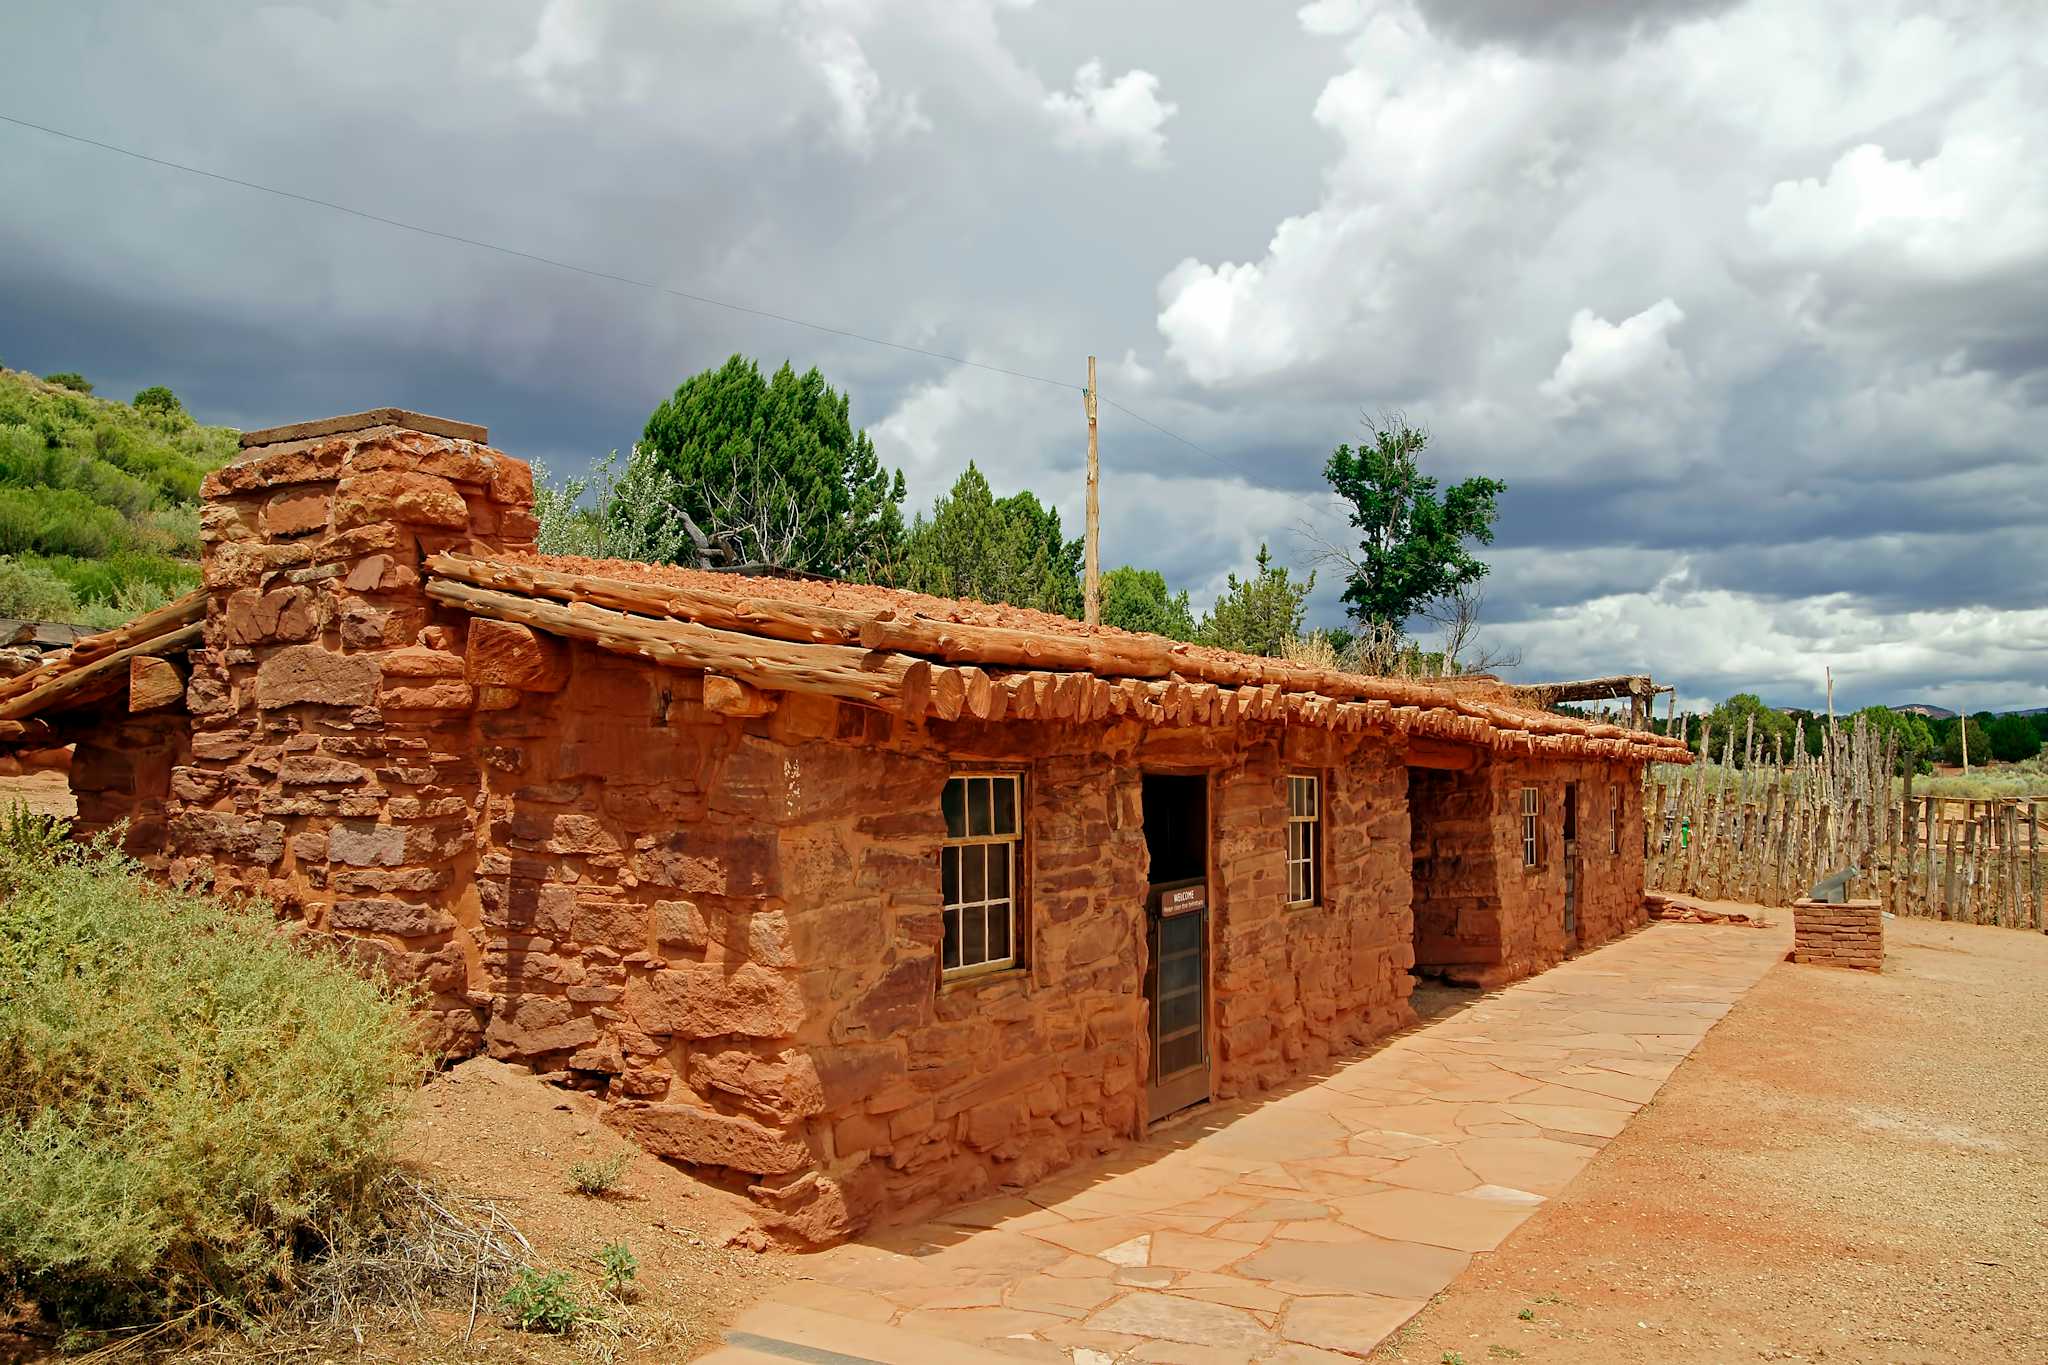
[[705, 1137], [711, 1000], [397, 496], [504, 654], [316, 674]]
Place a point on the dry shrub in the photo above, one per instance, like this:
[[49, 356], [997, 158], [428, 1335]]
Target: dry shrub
[[1313, 650], [196, 1110]]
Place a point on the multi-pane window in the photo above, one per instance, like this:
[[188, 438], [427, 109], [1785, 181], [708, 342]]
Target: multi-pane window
[[978, 868], [1304, 838], [1614, 811], [1529, 831]]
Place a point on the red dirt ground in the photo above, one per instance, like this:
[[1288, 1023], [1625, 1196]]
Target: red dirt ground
[[1851, 1167]]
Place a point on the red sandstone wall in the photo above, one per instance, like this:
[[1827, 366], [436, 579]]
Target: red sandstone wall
[[1293, 984], [1457, 871], [733, 927], [121, 770], [1532, 899], [330, 764]]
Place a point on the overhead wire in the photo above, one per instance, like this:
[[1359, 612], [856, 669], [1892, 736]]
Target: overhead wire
[[612, 277], [535, 257]]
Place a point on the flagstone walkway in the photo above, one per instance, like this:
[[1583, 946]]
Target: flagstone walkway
[[1297, 1227]]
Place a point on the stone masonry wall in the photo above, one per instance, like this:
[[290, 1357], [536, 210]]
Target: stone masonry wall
[[121, 770], [1457, 870], [731, 928], [1294, 984], [330, 766], [1847, 935], [1609, 894]]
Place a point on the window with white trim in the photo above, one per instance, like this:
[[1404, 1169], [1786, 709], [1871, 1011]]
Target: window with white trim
[[1304, 838], [978, 867], [1614, 807], [1529, 830]]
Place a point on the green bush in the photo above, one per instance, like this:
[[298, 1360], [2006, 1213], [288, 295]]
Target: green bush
[[160, 403], [195, 1104], [30, 592], [616, 1266], [101, 580], [597, 1178], [70, 379], [542, 1302]]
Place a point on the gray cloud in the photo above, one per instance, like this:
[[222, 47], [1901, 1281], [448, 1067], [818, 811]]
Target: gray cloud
[[1560, 22], [1758, 342]]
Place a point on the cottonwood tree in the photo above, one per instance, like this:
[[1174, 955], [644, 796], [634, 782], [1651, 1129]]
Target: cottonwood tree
[[775, 467], [1138, 599], [1261, 614], [1457, 615], [1744, 715], [1412, 543], [989, 549]]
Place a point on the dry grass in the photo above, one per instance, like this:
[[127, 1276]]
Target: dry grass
[[437, 1247]]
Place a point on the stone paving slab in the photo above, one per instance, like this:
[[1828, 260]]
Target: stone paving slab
[[1298, 1227]]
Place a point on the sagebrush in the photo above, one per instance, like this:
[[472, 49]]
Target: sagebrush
[[196, 1106]]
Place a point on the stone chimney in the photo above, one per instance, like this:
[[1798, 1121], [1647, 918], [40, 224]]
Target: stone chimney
[[331, 765]]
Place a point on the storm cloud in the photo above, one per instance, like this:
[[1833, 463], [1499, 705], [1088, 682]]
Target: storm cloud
[[1747, 302]]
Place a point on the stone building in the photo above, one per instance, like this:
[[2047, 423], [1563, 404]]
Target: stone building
[[867, 901]]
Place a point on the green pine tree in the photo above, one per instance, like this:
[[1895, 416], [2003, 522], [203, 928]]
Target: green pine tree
[[989, 549], [777, 465], [1260, 615]]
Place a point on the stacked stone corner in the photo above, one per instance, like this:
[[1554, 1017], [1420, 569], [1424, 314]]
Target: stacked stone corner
[[1838, 935], [329, 766]]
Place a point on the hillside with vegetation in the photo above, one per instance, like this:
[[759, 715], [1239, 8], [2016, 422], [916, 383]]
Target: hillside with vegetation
[[99, 499]]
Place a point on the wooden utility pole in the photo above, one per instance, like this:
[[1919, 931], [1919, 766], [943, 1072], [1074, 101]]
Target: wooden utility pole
[[1091, 588], [1963, 721]]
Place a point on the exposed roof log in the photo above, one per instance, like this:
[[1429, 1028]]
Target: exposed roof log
[[65, 680], [1178, 683]]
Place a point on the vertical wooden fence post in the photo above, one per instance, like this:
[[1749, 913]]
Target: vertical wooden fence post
[[2034, 861]]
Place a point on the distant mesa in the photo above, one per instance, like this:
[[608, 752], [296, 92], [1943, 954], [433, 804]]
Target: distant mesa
[[1921, 708]]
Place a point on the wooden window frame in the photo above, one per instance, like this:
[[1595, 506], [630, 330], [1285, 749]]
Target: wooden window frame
[[1311, 859], [1532, 828], [1614, 803], [1013, 843]]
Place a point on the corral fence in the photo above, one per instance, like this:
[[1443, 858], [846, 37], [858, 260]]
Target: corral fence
[[1755, 827]]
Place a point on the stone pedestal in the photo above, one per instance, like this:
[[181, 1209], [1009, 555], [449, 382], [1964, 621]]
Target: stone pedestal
[[1847, 935]]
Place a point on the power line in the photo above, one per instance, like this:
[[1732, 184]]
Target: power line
[[590, 272], [1219, 461], [533, 256]]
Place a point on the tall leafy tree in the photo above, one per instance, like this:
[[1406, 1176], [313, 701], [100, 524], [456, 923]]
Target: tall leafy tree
[[1138, 599], [1733, 718], [775, 465], [1412, 544], [1261, 614], [989, 549], [1915, 741]]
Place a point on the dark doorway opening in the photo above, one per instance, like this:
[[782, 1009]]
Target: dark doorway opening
[[1176, 814]]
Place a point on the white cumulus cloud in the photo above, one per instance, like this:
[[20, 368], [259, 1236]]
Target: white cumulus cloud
[[1125, 114], [1609, 361]]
